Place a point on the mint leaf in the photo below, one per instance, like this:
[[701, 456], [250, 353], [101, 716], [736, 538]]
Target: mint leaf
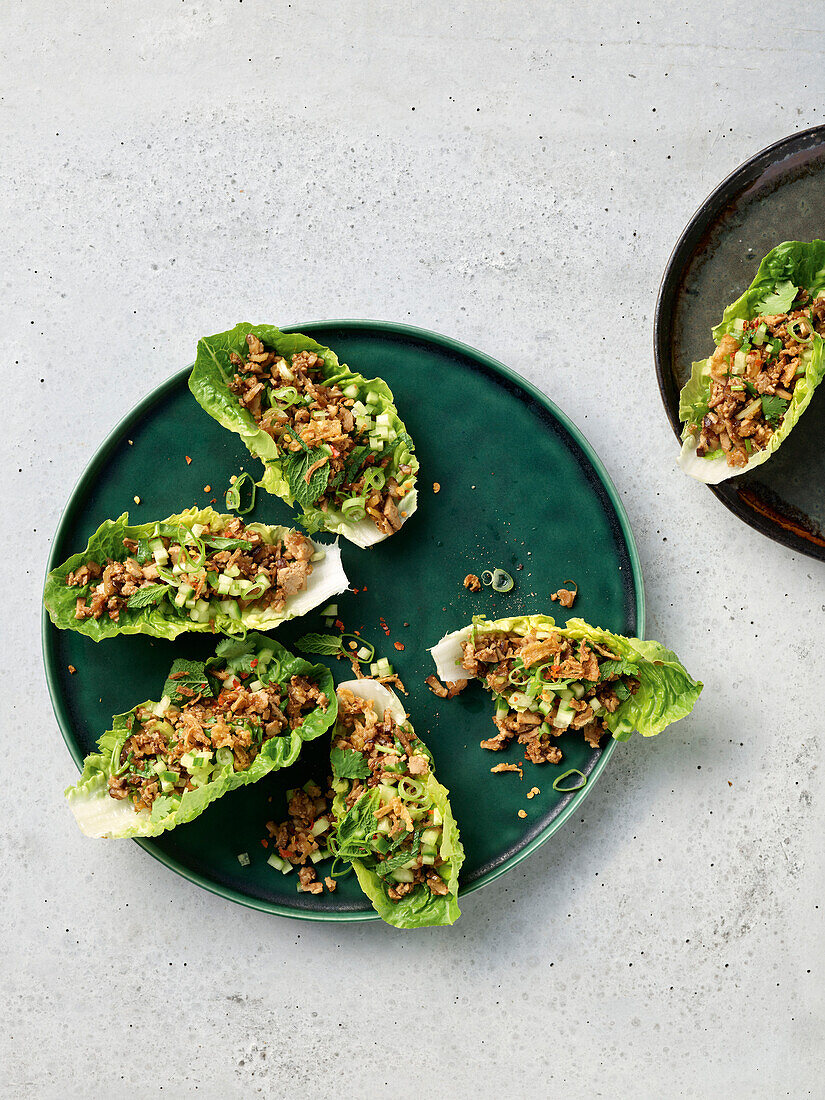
[[622, 667], [774, 408], [403, 855], [296, 467], [147, 597], [218, 543], [348, 764], [185, 680], [327, 645]]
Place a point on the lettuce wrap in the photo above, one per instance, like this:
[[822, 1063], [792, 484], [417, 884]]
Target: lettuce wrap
[[572, 677], [227, 577], [400, 836], [740, 405], [161, 764], [344, 457]]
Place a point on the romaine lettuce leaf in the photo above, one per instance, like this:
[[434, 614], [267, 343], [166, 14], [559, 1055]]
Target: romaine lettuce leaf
[[209, 383], [99, 815], [164, 620], [420, 908], [786, 268], [666, 692]]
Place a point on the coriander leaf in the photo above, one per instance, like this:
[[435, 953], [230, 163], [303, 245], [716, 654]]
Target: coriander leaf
[[296, 467], [348, 764], [238, 652], [328, 645], [622, 667], [781, 300], [147, 597], [774, 408], [185, 680]]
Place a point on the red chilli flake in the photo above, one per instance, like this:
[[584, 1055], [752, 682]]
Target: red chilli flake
[[339, 625], [384, 626], [398, 645], [188, 460], [254, 662], [264, 843]]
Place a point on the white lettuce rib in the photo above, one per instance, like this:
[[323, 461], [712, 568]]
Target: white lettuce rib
[[449, 653], [383, 697]]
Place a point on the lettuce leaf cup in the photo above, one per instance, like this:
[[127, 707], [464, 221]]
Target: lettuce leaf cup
[[195, 571], [547, 680], [399, 834], [331, 441], [220, 725], [740, 405]]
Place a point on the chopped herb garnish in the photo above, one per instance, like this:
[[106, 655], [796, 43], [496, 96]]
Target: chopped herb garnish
[[147, 597], [774, 408], [348, 764]]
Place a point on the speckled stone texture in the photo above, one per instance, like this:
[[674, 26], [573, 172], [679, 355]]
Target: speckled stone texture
[[513, 174]]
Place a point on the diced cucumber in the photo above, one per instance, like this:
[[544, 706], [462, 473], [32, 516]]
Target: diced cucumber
[[255, 685], [186, 761], [384, 667], [363, 653], [383, 825], [243, 859], [331, 611], [320, 826], [223, 585], [350, 391], [595, 705], [231, 608], [430, 837], [520, 701], [265, 656], [338, 785], [162, 707], [316, 857], [565, 695], [427, 859], [387, 792], [184, 593], [232, 571], [564, 716], [437, 818], [739, 363], [545, 708], [577, 689], [197, 529], [372, 399], [402, 875], [383, 419]]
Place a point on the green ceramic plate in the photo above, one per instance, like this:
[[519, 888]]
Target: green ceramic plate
[[519, 486]]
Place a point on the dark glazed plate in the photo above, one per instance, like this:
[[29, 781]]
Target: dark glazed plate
[[778, 195], [519, 485]]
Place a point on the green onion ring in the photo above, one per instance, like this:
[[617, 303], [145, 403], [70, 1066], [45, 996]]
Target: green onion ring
[[502, 581], [560, 779], [486, 577], [233, 495]]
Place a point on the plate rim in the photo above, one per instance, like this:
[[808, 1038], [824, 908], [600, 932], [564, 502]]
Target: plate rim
[[48, 633], [685, 247]]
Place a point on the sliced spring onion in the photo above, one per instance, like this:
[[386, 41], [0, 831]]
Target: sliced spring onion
[[560, 779], [233, 494], [486, 577], [502, 581], [354, 508]]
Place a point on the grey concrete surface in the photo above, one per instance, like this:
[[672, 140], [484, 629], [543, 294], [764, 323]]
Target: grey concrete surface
[[513, 174]]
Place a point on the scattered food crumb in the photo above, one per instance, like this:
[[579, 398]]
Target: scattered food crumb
[[565, 596], [533, 792], [330, 884], [136, 500], [436, 487], [509, 768], [207, 488], [729, 782], [384, 626], [406, 624], [398, 645], [519, 567], [522, 813], [72, 669], [403, 515], [472, 582], [472, 486], [188, 460], [131, 442]]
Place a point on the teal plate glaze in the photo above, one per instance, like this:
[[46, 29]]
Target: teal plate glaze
[[520, 486]]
